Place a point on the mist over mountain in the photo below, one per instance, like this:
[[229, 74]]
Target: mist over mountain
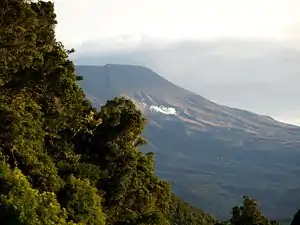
[[212, 154], [243, 74]]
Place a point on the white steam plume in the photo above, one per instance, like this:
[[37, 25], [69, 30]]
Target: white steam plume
[[163, 109]]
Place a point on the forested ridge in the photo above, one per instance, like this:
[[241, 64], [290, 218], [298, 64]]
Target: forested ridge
[[63, 161]]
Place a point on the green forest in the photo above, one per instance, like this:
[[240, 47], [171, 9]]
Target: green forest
[[63, 161]]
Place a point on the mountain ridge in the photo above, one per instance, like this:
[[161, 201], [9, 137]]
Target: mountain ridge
[[128, 66]]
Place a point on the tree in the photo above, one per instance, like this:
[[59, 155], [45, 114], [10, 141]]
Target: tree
[[22, 204], [248, 214], [296, 219], [82, 202], [181, 213], [130, 186]]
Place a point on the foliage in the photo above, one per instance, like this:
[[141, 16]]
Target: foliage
[[22, 204], [248, 214], [181, 213], [62, 161]]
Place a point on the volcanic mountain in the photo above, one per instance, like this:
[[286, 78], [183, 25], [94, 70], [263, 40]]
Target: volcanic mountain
[[212, 154]]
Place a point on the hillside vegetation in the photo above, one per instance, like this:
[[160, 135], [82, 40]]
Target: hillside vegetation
[[64, 162]]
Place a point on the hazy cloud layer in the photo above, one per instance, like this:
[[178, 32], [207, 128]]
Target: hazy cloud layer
[[197, 19], [261, 76]]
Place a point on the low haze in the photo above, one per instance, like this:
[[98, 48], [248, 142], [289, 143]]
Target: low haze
[[244, 54]]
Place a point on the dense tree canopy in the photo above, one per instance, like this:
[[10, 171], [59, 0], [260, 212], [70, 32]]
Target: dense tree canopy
[[64, 162], [61, 161]]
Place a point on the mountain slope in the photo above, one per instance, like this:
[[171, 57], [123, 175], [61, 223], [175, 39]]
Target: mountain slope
[[212, 154]]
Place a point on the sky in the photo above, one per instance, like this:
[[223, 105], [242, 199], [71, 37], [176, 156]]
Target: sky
[[241, 53]]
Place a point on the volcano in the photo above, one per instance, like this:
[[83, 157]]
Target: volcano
[[212, 154]]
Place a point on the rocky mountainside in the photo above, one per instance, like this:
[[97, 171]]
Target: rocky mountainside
[[212, 154]]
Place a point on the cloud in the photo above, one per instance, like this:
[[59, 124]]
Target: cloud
[[262, 76], [160, 109], [196, 19]]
